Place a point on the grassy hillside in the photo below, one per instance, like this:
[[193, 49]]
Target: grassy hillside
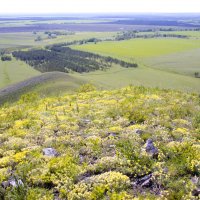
[[132, 143], [51, 83], [118, 77], [186, 63], [15, 71]]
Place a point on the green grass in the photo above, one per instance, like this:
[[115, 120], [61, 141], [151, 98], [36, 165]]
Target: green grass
[[117, 77], [186, 63], [23, 40], [13, 40], [59, 85], [141, 48], [15, 71], [48, 84], [147, 52]]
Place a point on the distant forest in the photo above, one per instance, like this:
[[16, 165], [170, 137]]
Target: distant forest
[[126, 35], [155, 22], [64, 59]]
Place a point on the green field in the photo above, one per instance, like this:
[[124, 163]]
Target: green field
[[186, 63], [141, 48], [15, 71], [160, 61], [27, 39], [164, 63], [117, 77]]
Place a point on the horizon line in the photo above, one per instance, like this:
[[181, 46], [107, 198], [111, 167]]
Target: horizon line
[[97, 13]]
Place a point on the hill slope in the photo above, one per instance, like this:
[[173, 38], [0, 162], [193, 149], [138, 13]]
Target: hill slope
[[46, 83], [15, 71], [130, 143], [117, 77]]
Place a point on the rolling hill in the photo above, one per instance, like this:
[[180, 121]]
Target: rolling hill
[[45, 84]]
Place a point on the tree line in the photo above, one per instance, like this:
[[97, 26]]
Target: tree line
[[197, 75], [64, 59], [126, 35], [76, 42]]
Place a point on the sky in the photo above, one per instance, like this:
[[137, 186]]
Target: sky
[[97, 6]]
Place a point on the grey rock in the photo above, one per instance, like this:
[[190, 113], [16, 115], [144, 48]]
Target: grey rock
[[81, 158], [145, 181], [195, 180], [151, 149], [131, 123], [50, 152], [5, 184], [113, 134], [86, 121], [56, 194], [196, 192], [16, 183], [165, 170], [12, 183], [139, 131], [145, 178]]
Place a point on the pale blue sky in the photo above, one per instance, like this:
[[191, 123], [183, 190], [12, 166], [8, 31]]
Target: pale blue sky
[[94, 6]]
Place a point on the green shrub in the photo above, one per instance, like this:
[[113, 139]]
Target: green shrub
[[86, 88], [97, 187], [39, 194]]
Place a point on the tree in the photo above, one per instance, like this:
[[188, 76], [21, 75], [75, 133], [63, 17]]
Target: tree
[[6, 58], [38, 38], [197, 75]]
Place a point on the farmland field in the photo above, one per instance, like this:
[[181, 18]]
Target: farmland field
[[141, 48], [27, 39], [186, 63], [163, 62], [172, 55], [160, 61], [117, 77]]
